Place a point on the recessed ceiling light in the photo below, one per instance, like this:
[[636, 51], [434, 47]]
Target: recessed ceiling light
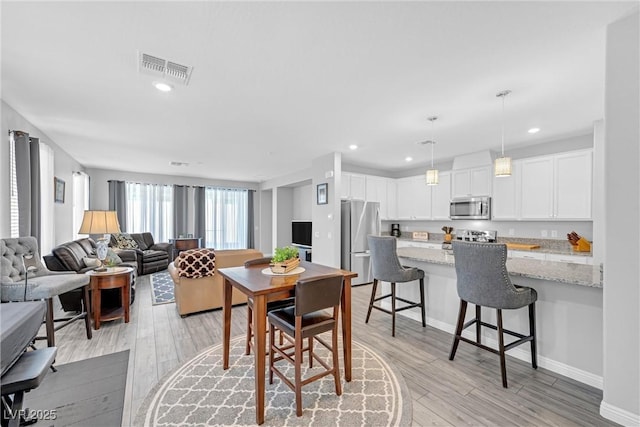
[[534, 130], [162, 87], [408, 159], [353, 147]]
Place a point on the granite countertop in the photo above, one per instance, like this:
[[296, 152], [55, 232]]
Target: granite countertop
[[575, 274]]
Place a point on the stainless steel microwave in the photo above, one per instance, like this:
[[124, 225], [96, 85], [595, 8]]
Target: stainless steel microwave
[[470, 208]]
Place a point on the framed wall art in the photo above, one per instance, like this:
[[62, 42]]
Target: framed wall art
[[321, 195], [58, 186]]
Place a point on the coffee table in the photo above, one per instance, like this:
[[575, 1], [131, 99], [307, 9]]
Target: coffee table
[[112, 278]]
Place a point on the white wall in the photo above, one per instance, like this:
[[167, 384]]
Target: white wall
[[282, 216], [302, 199], [326, 218], [621, 399], [64, 166], [598, 207], [264, 222]]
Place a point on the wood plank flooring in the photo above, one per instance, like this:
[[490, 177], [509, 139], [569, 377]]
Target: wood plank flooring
[[467, 391]]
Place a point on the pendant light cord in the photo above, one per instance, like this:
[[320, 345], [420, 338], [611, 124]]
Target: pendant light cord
[[503, 96]]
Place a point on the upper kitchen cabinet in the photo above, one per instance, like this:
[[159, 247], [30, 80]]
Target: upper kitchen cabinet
[[471, 182], [441, 196], [505, 203], [557, 186], [353, 186], [413, 198], [378, 190]]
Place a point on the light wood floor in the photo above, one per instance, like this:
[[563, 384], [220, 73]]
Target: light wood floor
[[467, 391]]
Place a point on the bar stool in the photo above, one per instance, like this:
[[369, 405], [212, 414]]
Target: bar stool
[[483, 280], [386, 267]]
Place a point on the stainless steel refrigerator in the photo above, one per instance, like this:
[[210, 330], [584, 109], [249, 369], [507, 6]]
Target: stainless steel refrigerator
[[358, 220]]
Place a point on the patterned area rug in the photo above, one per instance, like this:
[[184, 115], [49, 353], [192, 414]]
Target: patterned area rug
[[202, 393], [161, 288]]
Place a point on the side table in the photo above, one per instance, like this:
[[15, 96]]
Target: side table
[[112, 278], [183, 243]]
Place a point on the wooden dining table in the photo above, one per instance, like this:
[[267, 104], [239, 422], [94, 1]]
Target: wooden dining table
[[263, 288]]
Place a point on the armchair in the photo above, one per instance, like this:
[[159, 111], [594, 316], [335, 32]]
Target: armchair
[[151, 256], [42, 284]]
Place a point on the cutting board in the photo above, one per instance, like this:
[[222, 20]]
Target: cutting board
[[522, 246]]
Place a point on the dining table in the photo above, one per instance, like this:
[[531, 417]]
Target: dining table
[[258, 283]]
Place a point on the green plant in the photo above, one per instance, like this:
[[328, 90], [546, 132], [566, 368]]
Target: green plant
[[285, 253]]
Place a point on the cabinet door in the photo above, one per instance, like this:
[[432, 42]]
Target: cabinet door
[[536, 188], [404, 198], [376, 191], [505, 200], [441, 197], [480, 183], [392, 203], [358, 186], [421, 201], [460, 183], [345, 186], [573, 173]]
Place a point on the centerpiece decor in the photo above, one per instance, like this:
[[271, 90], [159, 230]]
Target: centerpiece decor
[[284, 260]]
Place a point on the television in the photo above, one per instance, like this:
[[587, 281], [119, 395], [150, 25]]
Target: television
[[301, 233]]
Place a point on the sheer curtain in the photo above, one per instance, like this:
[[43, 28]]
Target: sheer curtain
[[150, 208], [47, 226], [80, 200], [226, 218]]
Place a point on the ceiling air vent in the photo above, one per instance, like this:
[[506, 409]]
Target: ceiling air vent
[[164, 68]]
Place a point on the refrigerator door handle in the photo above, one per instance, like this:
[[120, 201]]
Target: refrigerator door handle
[[362, 255]]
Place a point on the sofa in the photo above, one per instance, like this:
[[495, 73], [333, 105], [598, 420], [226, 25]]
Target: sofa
[[205, 293], [70, 256], [151, 256]]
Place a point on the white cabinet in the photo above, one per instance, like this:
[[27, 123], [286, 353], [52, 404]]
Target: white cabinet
[[413, 198], [353, 186], [541, 256], [505, 203], [471, 182], [392, 205], [377, 190], [557, 187], [441, 197]]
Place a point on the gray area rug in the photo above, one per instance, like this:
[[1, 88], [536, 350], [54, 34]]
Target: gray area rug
[[162, 288], [89, 392], [202, 393]]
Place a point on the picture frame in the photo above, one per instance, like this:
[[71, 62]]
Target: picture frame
[[322, 194], [58, 186]]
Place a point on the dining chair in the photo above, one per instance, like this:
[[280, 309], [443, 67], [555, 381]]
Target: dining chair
[[307, 318], [483, 280], [386, 267], [271, 305]]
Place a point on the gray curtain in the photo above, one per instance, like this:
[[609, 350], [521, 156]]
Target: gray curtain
[[200, 207], [180, 210], [28, 182], [118, 201], [250, 220]]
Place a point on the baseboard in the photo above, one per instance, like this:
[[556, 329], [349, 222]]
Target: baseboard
[[618, 415], [519, 353]]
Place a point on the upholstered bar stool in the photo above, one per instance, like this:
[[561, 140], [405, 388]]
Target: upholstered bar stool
[[271, 305], [483, 280], [387, 268]]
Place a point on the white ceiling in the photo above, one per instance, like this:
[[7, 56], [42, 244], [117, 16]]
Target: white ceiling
[[276, 84]]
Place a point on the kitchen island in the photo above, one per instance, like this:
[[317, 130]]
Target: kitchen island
[[569, 308]]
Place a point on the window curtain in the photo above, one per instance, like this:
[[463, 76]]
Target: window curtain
[[27, 164], [118, 202], [47, 225], [15, 212], [226, 218], [250, 224], [199, 214], [180, 210], [80, 200], [150, 208]]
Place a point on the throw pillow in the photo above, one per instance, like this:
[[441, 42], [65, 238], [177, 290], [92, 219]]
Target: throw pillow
[[196, 263], [112, 258], [91, 262], [125, 241]]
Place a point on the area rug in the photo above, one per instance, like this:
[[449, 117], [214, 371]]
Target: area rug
[[162, 288], [89, 392], [202, 393]]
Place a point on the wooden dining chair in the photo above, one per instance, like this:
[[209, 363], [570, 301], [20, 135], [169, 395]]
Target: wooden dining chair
[[307, 318], [271, 305]]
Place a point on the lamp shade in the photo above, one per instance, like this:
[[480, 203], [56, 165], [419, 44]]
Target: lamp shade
[[503, 166], [99, 222], [432, 177]]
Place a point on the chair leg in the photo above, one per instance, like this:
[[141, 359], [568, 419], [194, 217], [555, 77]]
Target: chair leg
[[271, 352], [393, 309], [422, 305], [373, 297], [456, 338], [298, 372], [51, 341], [478, 325], [503, 365], [310, 344], [532, 332], [87, 311], [247, 350], [336, 367]]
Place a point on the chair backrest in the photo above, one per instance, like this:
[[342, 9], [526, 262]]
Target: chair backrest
[[258, 261], [385, 265], [317, 293], [482, 276], [11, 263]]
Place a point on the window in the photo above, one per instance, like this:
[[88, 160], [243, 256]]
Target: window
[[80, 200], [150, 209], [226, 216]]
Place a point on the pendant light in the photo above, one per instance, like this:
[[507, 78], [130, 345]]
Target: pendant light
[[432, 174], [503, 164]]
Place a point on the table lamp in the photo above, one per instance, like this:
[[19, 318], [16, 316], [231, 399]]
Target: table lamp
[[100, 222]]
